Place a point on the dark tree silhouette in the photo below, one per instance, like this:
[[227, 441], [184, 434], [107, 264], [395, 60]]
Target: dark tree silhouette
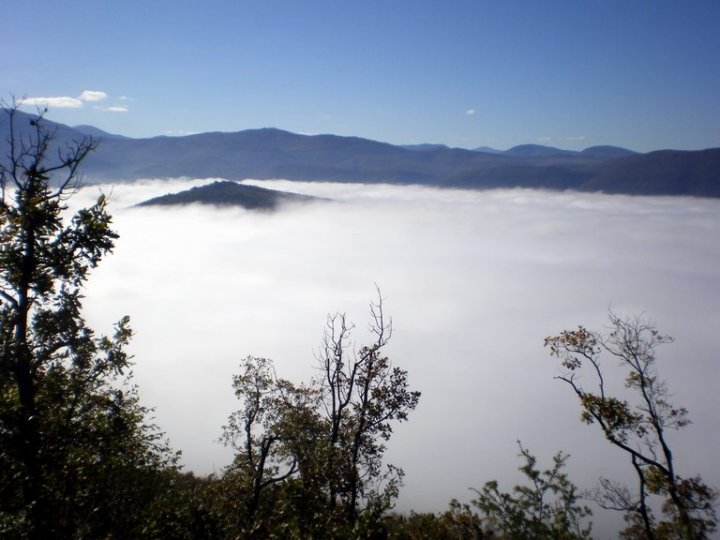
[[72, 433]]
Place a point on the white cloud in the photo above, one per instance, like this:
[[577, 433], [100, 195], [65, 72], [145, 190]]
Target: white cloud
[[576, 138], [470, 112], [93, 95], [544, 139], [115, 108], [65, 101], [179, 133], [60, 101], [474, 282]]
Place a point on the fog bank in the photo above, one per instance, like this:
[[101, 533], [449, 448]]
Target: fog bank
[[474, 282]]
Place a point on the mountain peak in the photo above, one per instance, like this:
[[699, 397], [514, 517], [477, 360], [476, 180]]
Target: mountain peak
[[607, 151], [227, 193], [537, 151]]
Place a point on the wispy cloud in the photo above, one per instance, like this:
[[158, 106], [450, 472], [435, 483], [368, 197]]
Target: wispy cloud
[[115, 108], [576, 138], [544, 139], [179, 133], [470, 112], [58, 101]]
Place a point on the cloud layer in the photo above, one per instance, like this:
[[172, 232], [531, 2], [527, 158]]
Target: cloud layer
[[474, 281]]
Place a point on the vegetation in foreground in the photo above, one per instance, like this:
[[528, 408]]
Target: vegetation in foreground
[[79, 458]]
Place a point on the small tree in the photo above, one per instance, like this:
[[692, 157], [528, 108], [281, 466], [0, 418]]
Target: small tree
[[311, 456], [638, 428], [257, 434], [72, 433], [362, 394], [548, 508]]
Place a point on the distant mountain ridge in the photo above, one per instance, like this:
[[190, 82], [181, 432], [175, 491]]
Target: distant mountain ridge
[[536, 151], [270, 153], [607, 151]]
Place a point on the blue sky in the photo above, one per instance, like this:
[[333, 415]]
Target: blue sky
[[644, 74]]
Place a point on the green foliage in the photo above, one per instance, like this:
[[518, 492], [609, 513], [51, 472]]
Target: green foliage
[[547, 508], [637, 427], [188, 508], [309, 457], [458, 522], [76, 454]]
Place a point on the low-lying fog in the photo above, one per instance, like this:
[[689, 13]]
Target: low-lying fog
[[474, 281]]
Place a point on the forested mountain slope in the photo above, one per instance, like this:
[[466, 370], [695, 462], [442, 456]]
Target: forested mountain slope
[[273, 153]]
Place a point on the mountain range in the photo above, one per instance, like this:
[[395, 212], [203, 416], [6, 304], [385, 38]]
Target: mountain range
[[273, 153]]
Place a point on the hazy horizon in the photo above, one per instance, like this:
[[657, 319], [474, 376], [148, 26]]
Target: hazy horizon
[[474, 281]]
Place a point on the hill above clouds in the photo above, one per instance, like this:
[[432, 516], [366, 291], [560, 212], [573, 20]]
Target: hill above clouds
[[226, 193], [273, 153]]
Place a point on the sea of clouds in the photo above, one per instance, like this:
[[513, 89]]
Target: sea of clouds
[[474, 282]]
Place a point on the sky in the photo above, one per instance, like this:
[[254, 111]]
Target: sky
[[473, 280], [643, 74]]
